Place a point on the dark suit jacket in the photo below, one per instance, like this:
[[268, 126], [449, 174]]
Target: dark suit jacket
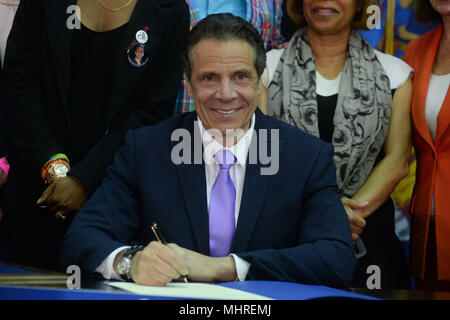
[[35, 91], [291, 226]]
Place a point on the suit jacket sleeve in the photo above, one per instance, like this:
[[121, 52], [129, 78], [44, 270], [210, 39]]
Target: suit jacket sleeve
[[24, 117], [110, 219], [153, 101], [324, 254]]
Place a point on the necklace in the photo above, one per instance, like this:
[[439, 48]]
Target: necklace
[[114, 9]]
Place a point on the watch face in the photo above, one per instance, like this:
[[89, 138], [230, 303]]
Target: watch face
[[124, 265], [60, 169]]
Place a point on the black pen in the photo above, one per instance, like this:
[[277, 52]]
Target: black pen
[[162, 240]]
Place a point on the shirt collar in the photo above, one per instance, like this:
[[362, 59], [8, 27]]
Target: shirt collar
[[240, 149]]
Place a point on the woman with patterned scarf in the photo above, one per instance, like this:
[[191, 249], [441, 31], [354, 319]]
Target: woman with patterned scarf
[[330, 83]]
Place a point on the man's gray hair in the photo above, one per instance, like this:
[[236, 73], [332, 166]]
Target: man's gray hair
[[225, 27]]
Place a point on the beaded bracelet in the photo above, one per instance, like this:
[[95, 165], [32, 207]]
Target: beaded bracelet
[[59, 156]]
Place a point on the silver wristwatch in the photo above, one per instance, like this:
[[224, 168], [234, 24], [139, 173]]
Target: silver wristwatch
[[60, 170], [125, 261]]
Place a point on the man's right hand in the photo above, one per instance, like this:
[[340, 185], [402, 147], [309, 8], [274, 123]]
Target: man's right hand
[[158, 265]]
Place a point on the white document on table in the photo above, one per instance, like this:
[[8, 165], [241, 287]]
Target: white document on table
[[188, 290]]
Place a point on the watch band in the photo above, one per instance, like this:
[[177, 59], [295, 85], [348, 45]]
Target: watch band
[[129, 254]]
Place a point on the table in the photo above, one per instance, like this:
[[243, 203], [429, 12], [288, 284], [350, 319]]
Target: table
[[96, 289]]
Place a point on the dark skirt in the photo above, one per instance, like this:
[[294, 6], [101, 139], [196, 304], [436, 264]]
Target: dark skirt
[[384, 250]]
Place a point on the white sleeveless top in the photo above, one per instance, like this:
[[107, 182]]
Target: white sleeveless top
[[396, 69], [8, 10], [437, 90]]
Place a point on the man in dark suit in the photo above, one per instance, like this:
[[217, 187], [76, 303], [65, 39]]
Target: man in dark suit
[[204, 178]]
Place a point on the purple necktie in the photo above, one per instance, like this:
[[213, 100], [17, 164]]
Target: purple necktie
[[221, 207]]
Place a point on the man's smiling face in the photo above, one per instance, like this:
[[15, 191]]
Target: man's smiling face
[[224, 83]]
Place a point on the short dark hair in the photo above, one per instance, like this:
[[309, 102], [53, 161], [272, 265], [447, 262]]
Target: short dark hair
[[425, 12], [295, 12], [225, 27]]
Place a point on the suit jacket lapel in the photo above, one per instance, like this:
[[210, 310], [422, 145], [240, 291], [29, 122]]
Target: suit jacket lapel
[[443, 120], [59, 38], [193, 186], [255, 188], [423, 79], [151, 14]]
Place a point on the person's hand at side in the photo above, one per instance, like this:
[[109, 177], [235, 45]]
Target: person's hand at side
[[357, 223], [65, 195], [157, 265]]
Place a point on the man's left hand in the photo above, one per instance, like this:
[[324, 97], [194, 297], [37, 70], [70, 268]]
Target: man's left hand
[[208, 269]]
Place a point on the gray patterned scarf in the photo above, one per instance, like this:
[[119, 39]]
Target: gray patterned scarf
[[363, 107]]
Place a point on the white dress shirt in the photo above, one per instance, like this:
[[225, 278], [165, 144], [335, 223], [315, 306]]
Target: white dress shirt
[[212, 168]]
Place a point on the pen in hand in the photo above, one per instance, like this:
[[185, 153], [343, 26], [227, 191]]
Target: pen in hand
[[162, 240]]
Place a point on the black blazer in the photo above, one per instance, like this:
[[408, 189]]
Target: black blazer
[[291, 226], [36, 82], [35, 89]]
